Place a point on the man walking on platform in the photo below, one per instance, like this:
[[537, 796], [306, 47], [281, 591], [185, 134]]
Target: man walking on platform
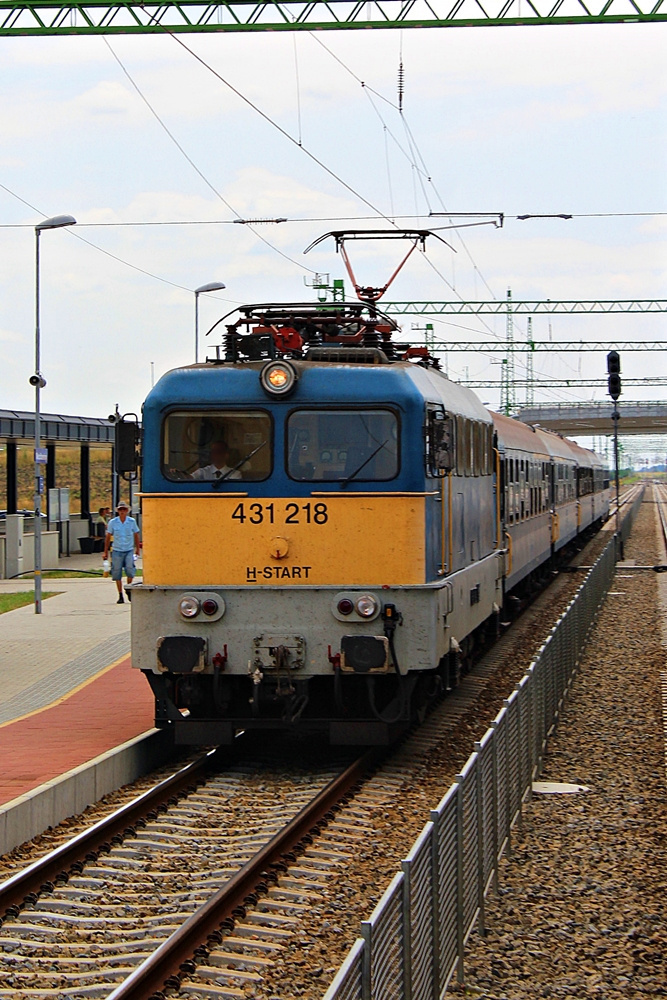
[[124, 532]]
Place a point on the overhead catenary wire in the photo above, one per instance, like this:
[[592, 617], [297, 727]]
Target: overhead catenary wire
[[107, 253], [290, 138], [305, 220], [194, 166]]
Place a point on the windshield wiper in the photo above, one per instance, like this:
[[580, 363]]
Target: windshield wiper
[[363, 465], [246, 458]]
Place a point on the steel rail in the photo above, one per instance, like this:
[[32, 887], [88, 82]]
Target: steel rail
[[191, 943], [41, 875], [662, 510]]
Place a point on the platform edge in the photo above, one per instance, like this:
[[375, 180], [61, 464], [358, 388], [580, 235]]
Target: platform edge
[[31, 814]]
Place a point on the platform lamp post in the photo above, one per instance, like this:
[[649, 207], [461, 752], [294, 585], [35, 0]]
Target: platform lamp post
[[614, 389], [38, 381], [212, 286]]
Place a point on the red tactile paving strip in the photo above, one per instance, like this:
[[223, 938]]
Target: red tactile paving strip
[[113, 707]]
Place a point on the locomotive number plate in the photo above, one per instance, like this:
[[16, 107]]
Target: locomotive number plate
[[273, 513]]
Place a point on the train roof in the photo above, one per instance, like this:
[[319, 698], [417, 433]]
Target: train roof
[[513, 434], [457, 399], [538, 441]]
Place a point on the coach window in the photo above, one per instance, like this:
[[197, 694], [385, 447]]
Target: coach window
[[215, 445], [342, 445]]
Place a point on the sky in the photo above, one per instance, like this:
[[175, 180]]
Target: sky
[[526, 120]]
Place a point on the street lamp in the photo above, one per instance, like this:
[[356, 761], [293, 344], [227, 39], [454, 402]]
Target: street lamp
[[212, 286], [38, 381]]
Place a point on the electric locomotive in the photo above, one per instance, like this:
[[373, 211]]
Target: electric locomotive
[[330, 525]]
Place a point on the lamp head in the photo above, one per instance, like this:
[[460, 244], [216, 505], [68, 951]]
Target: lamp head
[[37, 380], [56, 222], [212, 286]]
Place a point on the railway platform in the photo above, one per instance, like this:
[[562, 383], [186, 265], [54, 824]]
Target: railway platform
[[67, 690]]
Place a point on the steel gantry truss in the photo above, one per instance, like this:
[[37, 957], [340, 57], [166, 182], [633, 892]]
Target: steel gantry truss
[[108, 17], [564, 383], [498, 307], [555, 346]]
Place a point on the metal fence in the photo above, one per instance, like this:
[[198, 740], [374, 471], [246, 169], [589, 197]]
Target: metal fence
[[413, 943]]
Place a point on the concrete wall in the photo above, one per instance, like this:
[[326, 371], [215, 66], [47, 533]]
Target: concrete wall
[[49, 552], [78, 528]]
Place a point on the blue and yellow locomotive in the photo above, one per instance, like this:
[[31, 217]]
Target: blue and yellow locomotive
[[329, 525]]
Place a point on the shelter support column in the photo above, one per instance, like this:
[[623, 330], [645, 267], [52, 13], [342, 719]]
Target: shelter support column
[[12, 478], [84, 478]]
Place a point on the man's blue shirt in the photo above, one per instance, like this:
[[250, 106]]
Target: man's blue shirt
[[123, 533]]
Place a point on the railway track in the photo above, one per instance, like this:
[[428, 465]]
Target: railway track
[[143, 881], [660, 497], [625, 498], [232, 873]]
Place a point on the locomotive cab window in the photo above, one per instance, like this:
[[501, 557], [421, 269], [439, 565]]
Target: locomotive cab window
[[342, 445], [217, 445]]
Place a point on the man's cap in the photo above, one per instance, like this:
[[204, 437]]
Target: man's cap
[[122, 506]]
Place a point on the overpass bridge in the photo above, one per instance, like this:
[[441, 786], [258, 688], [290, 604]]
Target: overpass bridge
[[582, 419]]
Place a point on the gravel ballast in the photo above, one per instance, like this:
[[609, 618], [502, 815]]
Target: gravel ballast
[[581, 908]]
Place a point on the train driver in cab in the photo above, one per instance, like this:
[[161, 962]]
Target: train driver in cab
[[219, 467]]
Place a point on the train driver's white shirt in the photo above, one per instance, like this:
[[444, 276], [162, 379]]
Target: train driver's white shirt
[[212, 472]]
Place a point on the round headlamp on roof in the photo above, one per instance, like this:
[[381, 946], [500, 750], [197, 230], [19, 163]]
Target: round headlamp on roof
[[278, 378]]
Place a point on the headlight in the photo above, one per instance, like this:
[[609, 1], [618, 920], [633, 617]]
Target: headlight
[[189, 607], [278, 378], [366, 606]]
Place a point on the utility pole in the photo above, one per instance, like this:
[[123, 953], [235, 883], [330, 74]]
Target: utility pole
[[507, 387], [530, 368], [614, 389]]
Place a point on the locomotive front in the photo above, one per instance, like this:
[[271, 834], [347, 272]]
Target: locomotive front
[[286, 513]]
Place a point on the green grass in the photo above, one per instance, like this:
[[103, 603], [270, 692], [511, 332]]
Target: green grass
[[9, 602], [67, 574], [64, 574]]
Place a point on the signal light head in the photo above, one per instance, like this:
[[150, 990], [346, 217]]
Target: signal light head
[[278, 378], [614, 363]]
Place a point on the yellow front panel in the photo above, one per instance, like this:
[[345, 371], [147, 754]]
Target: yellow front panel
[[228, 541]]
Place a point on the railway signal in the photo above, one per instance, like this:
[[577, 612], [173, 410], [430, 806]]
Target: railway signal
[[614, 372], [614, 388]]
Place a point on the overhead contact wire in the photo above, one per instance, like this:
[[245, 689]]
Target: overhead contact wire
[[107, 253], [280, 129], [194, 166]]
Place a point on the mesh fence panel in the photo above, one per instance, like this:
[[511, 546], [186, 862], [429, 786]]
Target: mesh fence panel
[[513, 756], [384, 939], [348, 982], [471, 846], [503, 811], [485, 766], [419, 870], [444, 818], [525, 743]]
